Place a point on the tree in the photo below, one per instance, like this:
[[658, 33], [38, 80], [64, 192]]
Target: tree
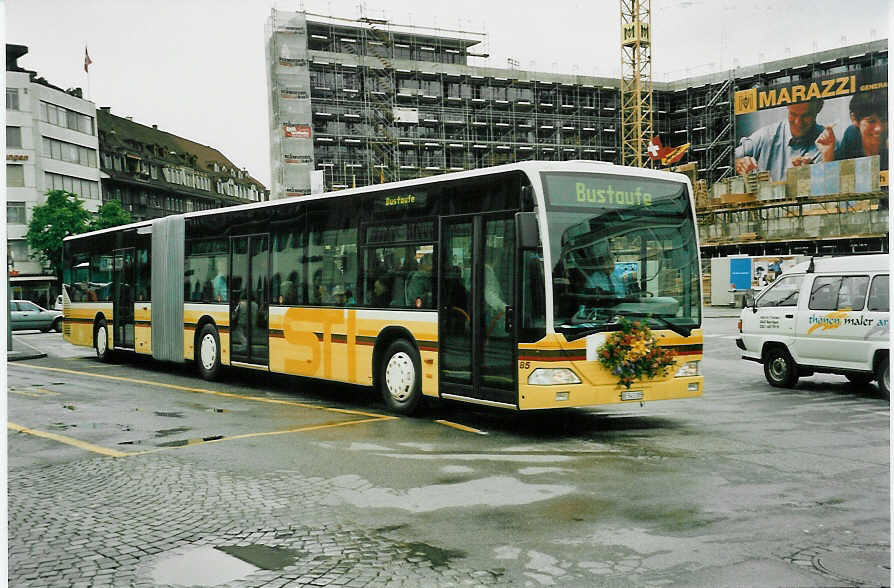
[[110, 214], [61, 216]]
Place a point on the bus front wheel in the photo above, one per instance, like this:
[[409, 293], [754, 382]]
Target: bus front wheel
[[208, 353], [400, 377]]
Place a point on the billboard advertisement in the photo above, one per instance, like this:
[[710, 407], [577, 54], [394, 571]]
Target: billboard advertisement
[[831, 118]]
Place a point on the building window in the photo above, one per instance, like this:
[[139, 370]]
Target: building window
[[18, 250], [83, 188], [69, 152], [14, 137], [59, 116], [12, 98], [15, 213], [15, 175]]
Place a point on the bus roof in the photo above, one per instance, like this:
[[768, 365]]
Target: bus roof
[[531, 168]]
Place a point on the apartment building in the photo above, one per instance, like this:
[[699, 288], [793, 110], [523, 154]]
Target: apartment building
[[51, 143], [154, 173]]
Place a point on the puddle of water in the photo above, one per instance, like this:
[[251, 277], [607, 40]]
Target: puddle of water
[[435, 555], [263, 556], [202, 566], [61, 426], [491, 491], [168, 432], [182, 442]]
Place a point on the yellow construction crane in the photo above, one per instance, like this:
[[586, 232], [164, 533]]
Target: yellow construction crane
[[636, 82]]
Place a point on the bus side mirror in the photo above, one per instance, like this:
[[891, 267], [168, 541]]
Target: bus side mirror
[[527, 231]]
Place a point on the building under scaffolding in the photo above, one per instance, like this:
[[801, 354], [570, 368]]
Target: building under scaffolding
[[366, 101]]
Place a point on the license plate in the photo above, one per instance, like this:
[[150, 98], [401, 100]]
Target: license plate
[[632, 395]]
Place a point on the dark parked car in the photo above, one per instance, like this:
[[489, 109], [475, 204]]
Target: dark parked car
[[24, 315]]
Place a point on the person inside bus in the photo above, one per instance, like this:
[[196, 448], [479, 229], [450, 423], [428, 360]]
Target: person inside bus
[[603, 278], [219, 283], [338, 296], [381, 292], [197, 292], [419, 284]]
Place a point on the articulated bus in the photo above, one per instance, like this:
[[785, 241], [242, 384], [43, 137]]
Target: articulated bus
[[492, 286]]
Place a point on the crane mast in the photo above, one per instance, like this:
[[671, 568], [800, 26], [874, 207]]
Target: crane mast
[[636, 82]]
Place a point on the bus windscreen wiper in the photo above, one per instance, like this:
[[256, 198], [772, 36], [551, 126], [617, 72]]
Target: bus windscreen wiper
[[678, 329], [581, 330]]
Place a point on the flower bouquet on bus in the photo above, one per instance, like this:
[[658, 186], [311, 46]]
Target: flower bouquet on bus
[[633, 353]]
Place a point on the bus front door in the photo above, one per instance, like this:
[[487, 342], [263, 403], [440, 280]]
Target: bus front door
[[123, 292], [249, 290], [476, 333]]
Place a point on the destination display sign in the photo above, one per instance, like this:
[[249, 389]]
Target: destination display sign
[[602, 191]]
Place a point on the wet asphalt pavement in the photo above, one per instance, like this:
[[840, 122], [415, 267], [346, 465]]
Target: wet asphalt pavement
[[141, 474]]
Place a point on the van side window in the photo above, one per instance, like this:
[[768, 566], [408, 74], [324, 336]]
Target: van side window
[[878, 295], [853, 292], [824, 294], [783, 292]]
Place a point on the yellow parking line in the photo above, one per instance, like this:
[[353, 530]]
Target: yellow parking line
[[68, 441], [205, 391], [461, 427]]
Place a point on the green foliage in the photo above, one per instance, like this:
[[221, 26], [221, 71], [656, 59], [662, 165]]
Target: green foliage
[[634, 353], [110, 214], [61, 216]]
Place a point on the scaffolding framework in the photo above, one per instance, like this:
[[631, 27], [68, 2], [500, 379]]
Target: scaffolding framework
[[636, 82]]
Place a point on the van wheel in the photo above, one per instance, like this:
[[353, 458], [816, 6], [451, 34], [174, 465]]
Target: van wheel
[[101, 342], [883, 375], [208, 352], [779, 368], [400, 377]]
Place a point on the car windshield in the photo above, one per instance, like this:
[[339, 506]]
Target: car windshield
[[621, 246]]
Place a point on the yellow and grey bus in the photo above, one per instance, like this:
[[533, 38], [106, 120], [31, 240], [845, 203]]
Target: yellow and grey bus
[[491, 286]]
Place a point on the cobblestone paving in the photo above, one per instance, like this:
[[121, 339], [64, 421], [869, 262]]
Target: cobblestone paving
[[109, 522]]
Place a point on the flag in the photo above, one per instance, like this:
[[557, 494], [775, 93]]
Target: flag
[[87, 60], [656, 150], [675, 154]]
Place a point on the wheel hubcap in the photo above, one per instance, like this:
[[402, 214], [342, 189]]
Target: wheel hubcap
[[209, 351], [101, 340], [778, 368], [400, 376]]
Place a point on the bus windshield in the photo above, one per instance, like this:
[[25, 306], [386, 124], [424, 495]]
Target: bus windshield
[[621, 247]]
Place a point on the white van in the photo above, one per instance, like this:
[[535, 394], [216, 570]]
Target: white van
[[827, 315]]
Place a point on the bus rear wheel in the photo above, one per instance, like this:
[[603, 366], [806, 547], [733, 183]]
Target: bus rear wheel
[[101, 342], [400, 377], [208, 352]]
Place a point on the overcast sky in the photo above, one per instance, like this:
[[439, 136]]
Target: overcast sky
[[196, 67]]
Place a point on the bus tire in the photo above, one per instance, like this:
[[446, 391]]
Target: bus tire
[[883, 377], [400, 377], [208, 352], [779, 368], [101, 341]]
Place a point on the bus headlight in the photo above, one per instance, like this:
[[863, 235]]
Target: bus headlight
[[690, 368], [552, 376]]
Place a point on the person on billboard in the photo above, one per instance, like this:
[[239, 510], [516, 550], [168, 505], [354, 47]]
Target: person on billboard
[[784, 144], [868, 133]]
